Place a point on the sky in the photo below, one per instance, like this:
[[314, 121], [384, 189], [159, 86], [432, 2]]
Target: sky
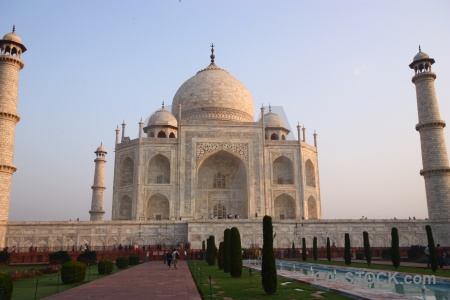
[[338, 67]]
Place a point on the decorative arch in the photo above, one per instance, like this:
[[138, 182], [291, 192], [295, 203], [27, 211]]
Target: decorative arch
[[310, 174], [126, 172], [220, 211], [274, 136], [284, 207], [283, 137], [162, 134], [222, 179], [158, 207], [312, 209], [125, 208], [283, 170], [172, 135], [158, 170]]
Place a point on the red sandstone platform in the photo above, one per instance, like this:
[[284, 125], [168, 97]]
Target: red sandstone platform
[[150, 280]]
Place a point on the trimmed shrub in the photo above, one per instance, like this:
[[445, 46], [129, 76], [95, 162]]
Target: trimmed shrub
[[105, 266], [315, 248], [220, 256], [203, 249], [87, 257], [226, 250], [4, 257], [367, 250], [235, 253], [303, 249], [347, 250], [294, 254], [133, 259], [72, 272], [122, 262], [58, 258], [395, 247], [328, 249], [268, 268], [416, 253], [211, 251], [6, 286], [432, 248]]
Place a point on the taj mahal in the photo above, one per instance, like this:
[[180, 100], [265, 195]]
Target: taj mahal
[[207, 164]]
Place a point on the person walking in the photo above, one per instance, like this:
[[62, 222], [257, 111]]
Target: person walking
[[164, 257], [175, 257], [427, 254], [147, 256], [169, 259]]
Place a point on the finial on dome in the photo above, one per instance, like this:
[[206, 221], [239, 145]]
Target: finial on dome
[[420, 50], [101, 143], [163, 104], [212, 53], [270, 108], [14, 28]]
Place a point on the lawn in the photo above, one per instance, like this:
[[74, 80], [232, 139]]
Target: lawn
[[45, 285], [249, 285], [412, 270]]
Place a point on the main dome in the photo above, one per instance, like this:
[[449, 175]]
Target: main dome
[[213, 94]]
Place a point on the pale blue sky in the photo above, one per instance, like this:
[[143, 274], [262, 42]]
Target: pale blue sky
[[339, 67]]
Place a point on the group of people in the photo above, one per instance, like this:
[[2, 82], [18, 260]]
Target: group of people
[[442, 254], [171, 256]]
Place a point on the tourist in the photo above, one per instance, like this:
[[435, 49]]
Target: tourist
[[175, 257], [427, 254], [440, 254], [164, 257], [147, 256], [169, 259], [185, 255]]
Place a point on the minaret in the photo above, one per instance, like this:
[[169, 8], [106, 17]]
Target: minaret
[[11, 49], [98, 188], [436, 170]]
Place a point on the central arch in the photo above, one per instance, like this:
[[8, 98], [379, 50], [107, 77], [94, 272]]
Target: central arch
[[222, 183], [158, 207], [284, 207]]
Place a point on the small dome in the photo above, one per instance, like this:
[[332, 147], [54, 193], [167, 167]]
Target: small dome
[[421, 55], [273, 120], [101, 149], [12, 37], [162, 117]]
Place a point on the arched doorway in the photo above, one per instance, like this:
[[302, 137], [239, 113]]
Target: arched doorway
[[221, 187], [158, 207], [284, 207]]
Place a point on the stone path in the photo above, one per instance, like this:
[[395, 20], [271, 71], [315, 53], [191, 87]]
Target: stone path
[[151, 280]]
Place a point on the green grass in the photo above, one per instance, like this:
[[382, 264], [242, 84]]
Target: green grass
[[46, 285], [412, 270], [223, 285]]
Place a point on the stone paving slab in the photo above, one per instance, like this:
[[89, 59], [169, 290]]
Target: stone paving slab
[[151, 280]]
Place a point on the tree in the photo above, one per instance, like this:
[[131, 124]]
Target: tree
[[395, 247], [235, 253], [268, 268], [294, 254], [226, 250], [211, 251], [315, 248], [328, 249], [432, 248], [367, 250], [347, 250], [220, 256], [203, 249], [303, 249]]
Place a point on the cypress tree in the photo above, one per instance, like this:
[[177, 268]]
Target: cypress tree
[[211, 251], [432, 248], [367, 250], [303, 249], [328, 249], [315, 248], [235, 253], [203, 249], [268, 268], [294, 254], [347, 250], [220, 256], [395, 247], [226, 250]]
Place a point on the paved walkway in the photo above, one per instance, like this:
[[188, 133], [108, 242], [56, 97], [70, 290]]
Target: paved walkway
[[150, 280]]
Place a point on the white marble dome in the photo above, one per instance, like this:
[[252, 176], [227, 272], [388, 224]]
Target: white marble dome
[[12, 36], [162, 117], [273, 120], [421, 55], [213, 94]]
